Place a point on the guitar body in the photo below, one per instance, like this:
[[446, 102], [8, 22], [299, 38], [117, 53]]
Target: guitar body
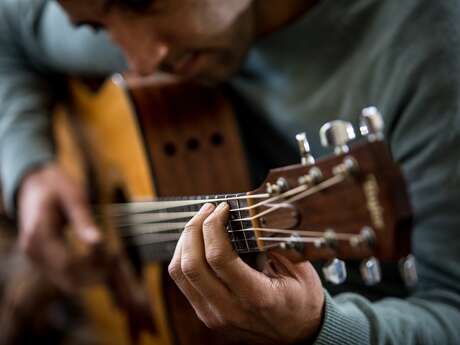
[[137, 140]]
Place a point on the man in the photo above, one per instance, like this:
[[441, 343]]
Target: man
[[310, 61]]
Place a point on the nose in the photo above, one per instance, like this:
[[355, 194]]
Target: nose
[[145, 61]]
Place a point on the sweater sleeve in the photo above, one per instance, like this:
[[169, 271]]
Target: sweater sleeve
[[38, 43], [423, 130], [25, 136]]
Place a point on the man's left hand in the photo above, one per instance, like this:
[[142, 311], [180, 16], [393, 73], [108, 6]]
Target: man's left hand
[[281, 305]]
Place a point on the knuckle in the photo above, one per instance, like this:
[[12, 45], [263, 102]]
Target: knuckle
[[216, 258], [210, 222], [190, 269], [175, 271], [214, 322], [189, 227]]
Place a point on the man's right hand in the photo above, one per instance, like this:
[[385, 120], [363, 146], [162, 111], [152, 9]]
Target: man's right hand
[[47, 199]]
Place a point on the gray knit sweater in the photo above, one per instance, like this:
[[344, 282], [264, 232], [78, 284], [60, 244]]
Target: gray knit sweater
[[402, 56]]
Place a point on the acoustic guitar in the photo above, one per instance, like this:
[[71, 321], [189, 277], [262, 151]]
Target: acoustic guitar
[[138, 145]]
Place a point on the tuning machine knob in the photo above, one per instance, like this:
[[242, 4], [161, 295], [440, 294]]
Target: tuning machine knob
[[335, 271], [408, 271], [304, 150], [371, 124], [337, 134], [371, 271]]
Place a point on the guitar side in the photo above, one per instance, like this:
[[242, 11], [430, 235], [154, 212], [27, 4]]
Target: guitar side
[[108, 127]]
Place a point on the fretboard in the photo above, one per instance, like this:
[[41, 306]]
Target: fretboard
[[151, 230]]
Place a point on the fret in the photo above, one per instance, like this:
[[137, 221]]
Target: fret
[[238, 241], [241, 223], [144, 232], [243, 237], [230, 229], [247, 224]]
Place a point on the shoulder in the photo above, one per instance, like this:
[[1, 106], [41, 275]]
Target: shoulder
[[26, 10]]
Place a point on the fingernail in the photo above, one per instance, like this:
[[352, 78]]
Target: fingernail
[[91, 234], [206, 207], [222, 206]]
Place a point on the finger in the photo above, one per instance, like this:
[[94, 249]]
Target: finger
[[227, 265], [198, 303], [76, 207], [193, 261], [47, 249], [301, 271]]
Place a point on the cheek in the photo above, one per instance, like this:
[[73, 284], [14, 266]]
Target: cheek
[[140, 52]]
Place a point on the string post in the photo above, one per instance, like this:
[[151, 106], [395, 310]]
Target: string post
[[349, 167], [294, 242], [319, 243], [277, 188], [368, 236], [365, 238], [330, 239], [314, 177]]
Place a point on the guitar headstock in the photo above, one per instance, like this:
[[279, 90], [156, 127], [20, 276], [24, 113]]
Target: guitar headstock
[[352, 205]]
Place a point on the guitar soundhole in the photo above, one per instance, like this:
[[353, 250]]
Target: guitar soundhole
[[193, 144], [217, 139], [170, 149]]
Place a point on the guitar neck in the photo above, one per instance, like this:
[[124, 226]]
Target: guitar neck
[[152, 229]]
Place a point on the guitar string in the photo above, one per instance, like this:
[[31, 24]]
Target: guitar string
[[174, 215], [313, 237], [175, 238], [315, 189], [271, 230], [309, 238], [151, 219], [149, 206], [127, 206]]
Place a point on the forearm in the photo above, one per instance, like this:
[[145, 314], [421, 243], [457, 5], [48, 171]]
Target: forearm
[[37, 42], [25, 101], [25, 139], [428, 318]]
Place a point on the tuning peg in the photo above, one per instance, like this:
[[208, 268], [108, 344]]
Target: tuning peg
[[371, 123], [371, 271], [335, 271], [304, 149], [279, 187], [408, 271], [337, 134]]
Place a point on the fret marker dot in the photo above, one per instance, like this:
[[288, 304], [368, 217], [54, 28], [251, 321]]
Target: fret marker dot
[[217, 139], [193, 144], [170, 149]]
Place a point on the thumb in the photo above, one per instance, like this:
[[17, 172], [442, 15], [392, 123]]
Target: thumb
[[285, 268], [76, 208]]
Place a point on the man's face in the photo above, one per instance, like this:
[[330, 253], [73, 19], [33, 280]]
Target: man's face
[[200, 39]]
